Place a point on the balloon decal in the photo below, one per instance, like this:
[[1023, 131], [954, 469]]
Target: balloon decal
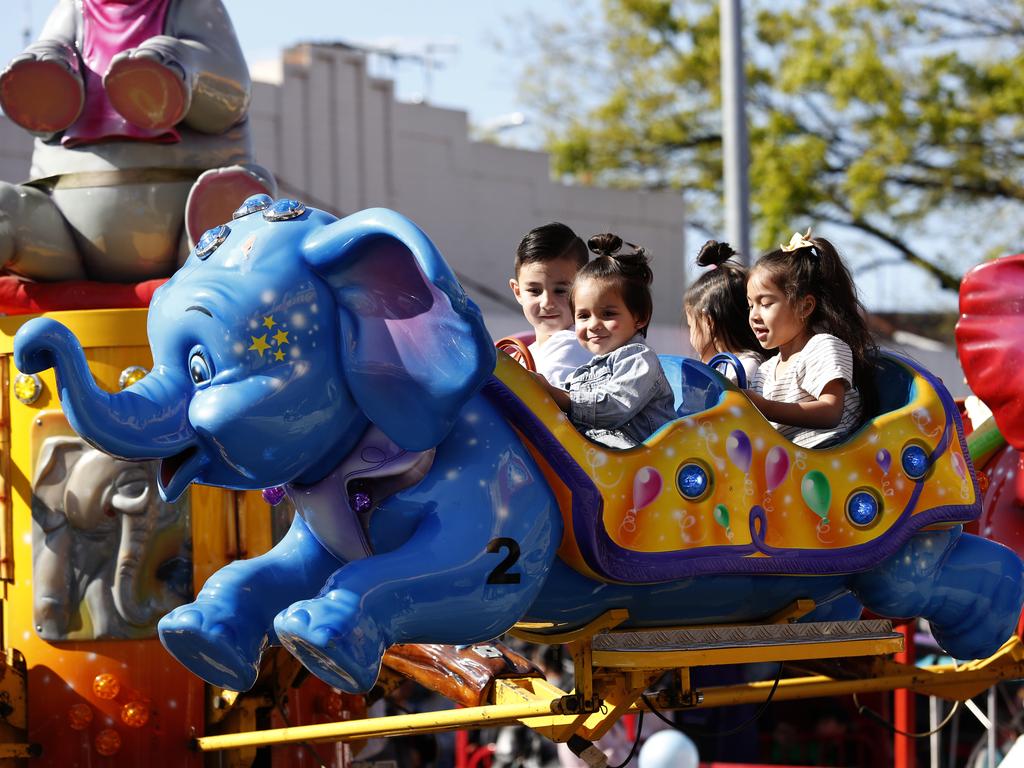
[[960, 467], [817, 495], [739, 451], [884, 460], [646, 488], [737, 448], [776, 467], [721, 515]]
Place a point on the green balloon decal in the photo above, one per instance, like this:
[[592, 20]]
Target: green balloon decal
[[721, 514], [817, 493]]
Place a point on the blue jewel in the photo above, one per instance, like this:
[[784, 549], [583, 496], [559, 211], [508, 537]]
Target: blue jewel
[[862, 508], [283, 210], [693, 481], [211, 240], [252, 204], [915, 461]]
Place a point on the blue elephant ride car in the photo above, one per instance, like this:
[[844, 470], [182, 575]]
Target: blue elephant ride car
[[442, 497]]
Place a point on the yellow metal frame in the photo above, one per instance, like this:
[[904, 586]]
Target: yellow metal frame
[[610, 685]]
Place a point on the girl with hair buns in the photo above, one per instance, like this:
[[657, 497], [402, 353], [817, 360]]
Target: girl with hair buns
[[716, 310], [803, 303], [621, 396]]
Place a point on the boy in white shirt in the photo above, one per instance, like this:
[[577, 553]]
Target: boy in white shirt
[[547, 260]]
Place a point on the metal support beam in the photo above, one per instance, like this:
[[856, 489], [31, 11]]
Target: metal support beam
[[735, 150], [399, 725]]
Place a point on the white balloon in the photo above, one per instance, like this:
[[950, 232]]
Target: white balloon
[[668, 749]]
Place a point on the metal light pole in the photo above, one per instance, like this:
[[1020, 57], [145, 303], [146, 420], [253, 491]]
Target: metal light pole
[[735, 150]]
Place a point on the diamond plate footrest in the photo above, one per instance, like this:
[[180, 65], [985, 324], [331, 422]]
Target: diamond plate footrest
[[741, 644]]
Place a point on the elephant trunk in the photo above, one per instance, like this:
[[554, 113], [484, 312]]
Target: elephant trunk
[[148, 420], [135, 532]]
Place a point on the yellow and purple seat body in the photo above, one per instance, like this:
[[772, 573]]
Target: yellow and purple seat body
[[719, 491]]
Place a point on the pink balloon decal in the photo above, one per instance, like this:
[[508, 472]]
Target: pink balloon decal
[[646, 487], [776, 467], [884, 460], [959, 465], [737, 446]]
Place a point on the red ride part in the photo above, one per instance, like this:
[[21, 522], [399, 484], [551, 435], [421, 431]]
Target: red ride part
[[990, 340], [24, 297]]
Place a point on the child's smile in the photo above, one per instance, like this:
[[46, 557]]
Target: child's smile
[[603, 321]]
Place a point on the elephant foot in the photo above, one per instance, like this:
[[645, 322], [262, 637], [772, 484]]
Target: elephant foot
[[147, 93], [975, 628], [218, 192], [967, 588], [41, 95], [333, 640], [218, 647]]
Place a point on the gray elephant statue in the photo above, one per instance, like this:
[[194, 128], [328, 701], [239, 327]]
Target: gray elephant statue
[[109, 556], [140, 112]]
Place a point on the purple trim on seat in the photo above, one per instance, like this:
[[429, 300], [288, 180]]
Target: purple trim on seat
[[616, 563]]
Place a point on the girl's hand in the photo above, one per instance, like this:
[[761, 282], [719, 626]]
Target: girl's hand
[[560, 396]]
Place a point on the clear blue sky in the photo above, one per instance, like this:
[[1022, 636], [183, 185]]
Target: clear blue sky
[[476, 77]]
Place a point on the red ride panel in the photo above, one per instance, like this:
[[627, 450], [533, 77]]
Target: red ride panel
[[990, 339]]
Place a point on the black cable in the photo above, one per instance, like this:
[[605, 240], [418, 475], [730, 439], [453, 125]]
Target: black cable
[[866, 711], [636, 742], [721, 735]]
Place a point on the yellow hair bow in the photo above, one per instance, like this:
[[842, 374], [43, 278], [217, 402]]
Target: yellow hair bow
[[798, 241]]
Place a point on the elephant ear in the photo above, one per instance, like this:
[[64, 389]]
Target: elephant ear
[[990, 340], [414, 347]]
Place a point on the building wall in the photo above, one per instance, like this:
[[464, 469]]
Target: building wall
[[337, 138]]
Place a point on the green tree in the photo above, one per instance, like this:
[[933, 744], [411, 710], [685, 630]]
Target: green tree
[[902, 119]]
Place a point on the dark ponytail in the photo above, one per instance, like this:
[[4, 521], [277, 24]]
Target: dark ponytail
[[817, 270], [630, 272], [720, 295]]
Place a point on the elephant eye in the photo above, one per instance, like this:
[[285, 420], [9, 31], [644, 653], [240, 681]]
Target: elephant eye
[[198, 368]]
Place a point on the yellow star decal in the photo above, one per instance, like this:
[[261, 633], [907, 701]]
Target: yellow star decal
[[279, 355], [259, 345], [268, 321], [281, 337]]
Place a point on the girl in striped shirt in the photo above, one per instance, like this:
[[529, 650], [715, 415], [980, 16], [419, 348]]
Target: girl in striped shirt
[[803, 303]]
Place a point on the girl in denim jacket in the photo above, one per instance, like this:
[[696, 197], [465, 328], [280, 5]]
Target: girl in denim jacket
[[621, 396]]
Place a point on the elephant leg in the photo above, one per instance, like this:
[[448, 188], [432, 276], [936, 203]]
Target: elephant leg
[[219, 191], [473, 565], [969, 589], [34, 239], [221, 636], [52, 583]]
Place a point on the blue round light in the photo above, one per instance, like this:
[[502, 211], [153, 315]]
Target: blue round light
[[252, 204], [915, 461], [693, 481], [283, 210], [862, 508], [211, 240]]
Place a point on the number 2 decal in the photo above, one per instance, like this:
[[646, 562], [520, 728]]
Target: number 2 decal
[[500, 575]]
